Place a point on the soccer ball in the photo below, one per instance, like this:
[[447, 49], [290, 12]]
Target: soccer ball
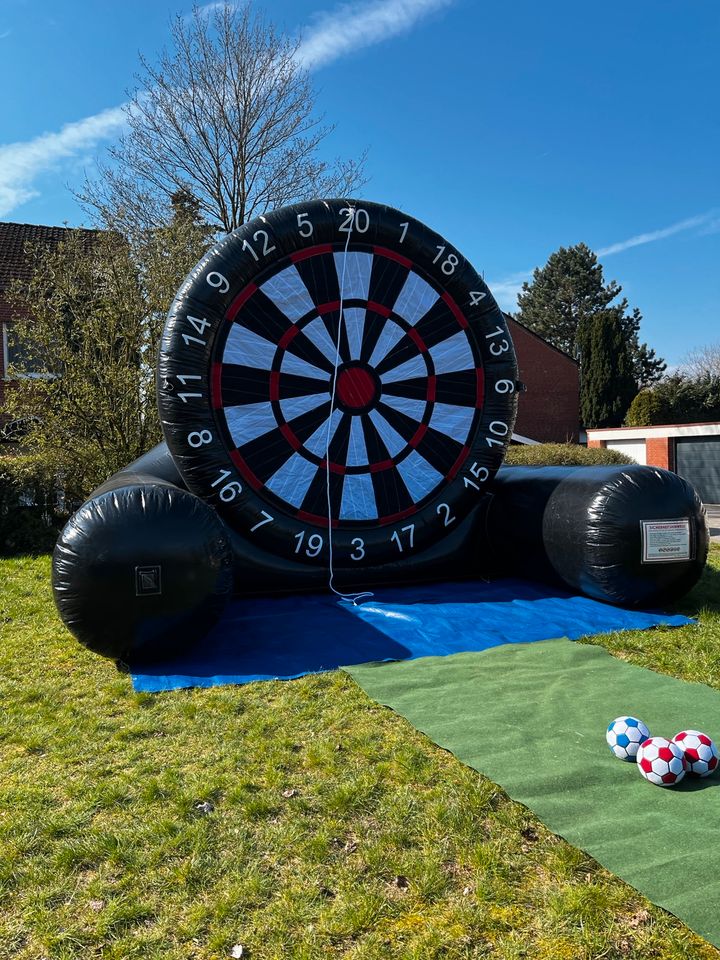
[[701, 756], [624, 736], [661, 761]]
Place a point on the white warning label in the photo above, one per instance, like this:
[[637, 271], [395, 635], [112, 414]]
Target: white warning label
[[664, 540]]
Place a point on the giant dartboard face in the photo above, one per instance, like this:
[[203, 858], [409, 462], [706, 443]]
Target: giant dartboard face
[[336, 375]]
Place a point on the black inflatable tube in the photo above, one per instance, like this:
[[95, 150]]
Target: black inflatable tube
[[156, 463], [257, 572], [143, 567], [630, 535], [576, 526]]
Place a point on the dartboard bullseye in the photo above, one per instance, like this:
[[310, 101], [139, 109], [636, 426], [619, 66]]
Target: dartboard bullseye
[[336, 370], [358, 388]]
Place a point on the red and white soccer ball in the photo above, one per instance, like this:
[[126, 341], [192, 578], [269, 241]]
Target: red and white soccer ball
[[661, 761], [701, 755]]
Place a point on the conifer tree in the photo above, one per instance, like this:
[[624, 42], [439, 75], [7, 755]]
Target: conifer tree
[[571, 289], [607, 386]]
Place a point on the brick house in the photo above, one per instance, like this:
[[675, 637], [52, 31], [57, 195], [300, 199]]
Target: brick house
[[550, 409]]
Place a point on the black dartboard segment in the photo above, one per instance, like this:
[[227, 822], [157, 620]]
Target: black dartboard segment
[[337, 364]]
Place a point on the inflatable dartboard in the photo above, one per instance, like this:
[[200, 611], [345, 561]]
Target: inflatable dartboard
[[336, 375]]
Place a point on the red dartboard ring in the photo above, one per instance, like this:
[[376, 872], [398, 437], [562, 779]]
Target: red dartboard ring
[[414, 388]]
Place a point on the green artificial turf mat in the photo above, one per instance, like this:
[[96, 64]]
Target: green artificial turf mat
[[532, 717]]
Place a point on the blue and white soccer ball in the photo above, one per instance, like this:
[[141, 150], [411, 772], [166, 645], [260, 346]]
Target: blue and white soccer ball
[[625, 735]]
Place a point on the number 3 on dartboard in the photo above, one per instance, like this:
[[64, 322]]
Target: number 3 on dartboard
[[359, 551]]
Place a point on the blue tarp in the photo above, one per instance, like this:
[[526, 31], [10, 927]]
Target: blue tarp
[[287, 637]]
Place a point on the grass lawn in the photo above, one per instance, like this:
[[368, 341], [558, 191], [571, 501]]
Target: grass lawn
[[298, 819]]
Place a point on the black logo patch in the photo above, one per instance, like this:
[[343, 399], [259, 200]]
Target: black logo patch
[[148, 581]]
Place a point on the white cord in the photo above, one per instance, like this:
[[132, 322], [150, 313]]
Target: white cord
[[344, 597]]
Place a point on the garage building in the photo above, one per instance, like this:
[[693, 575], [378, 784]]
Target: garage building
[[692, 450]]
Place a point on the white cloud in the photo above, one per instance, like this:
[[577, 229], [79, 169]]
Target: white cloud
[[4, 34], [702, 220], [349, 28], [356, 25], [506, 290], [713, 226], [22, 163]]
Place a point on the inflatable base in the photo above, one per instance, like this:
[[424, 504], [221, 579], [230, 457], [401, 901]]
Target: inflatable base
[[145, 567], [631, 535]]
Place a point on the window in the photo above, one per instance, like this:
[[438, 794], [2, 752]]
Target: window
[[14, 354]]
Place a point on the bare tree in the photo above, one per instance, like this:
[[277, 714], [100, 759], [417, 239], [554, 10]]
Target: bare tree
[[227, 114], [702, 362]]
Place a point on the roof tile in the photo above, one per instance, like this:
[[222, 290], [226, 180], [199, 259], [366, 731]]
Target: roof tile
[[14, 263]]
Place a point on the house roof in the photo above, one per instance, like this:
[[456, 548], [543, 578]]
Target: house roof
[[14, 261], [710, 428], [14, 237], [510, 318]]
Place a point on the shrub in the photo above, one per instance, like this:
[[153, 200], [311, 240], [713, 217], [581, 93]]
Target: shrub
[[29, 518], [648, 407], [561, 455], [677, 399]]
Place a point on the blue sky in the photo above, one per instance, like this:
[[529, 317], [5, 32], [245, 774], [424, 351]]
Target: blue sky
[[512, 129]]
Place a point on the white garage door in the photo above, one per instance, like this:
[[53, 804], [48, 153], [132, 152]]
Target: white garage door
[[631, 448]]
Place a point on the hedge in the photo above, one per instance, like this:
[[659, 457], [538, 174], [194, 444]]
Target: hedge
[[30, 521], [561, 455], [29, 518]]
